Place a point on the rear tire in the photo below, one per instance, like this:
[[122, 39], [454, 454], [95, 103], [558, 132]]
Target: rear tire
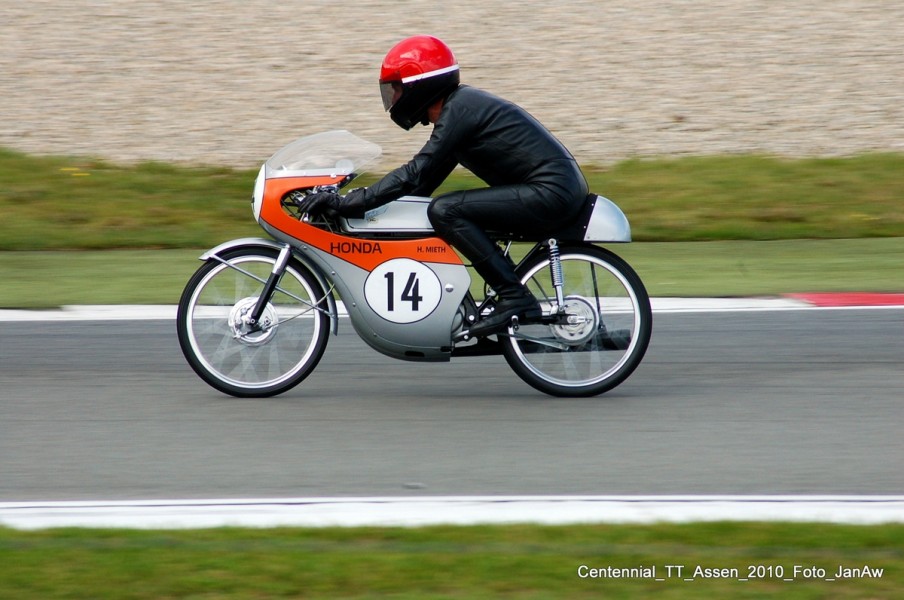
[[608, 328], [239, 360]]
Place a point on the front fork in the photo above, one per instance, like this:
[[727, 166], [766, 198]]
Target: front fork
[[279, 267]]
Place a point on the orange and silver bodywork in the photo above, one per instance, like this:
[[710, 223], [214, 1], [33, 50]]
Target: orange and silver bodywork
[[385, 282], [358, 252]]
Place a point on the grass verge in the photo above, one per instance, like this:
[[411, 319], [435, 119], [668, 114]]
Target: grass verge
[[707, 269], [80, 203], [834, 225], [454, 562]]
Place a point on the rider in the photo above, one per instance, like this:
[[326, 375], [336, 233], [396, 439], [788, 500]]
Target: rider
[[535, 184]]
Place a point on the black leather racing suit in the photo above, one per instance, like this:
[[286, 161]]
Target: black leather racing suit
[[535, 183]]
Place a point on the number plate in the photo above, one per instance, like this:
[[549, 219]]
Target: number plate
[[403, 290]]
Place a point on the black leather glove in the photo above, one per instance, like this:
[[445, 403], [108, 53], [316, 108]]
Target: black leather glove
[[320, 203], [354, 204]]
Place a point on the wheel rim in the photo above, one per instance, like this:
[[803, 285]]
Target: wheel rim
[[238, 355], [600, 333]]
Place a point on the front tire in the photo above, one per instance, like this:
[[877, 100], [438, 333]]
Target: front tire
[[244, 361], [603, 335]]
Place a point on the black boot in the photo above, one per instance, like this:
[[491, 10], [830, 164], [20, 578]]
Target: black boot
[[513, 299]]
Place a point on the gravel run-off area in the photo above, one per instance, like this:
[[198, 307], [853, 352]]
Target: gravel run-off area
[[217, 82]]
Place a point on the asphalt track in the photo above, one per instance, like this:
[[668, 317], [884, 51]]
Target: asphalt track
[[799, 402]]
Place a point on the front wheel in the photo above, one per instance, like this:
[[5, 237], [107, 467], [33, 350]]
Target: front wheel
[[593, 342], [235, 357]]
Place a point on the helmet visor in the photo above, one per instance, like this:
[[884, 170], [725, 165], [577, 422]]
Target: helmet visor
[[391, 91]]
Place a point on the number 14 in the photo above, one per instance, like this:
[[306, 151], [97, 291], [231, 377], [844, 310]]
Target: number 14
[[409, 294]]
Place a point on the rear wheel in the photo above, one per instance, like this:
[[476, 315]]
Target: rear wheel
[[598, 337], [235, 357]]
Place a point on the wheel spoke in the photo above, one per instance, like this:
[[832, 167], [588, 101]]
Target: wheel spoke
[[571, 356], [226, 350]]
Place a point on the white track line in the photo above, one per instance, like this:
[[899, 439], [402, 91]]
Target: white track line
[[454, 510], [168, 313]]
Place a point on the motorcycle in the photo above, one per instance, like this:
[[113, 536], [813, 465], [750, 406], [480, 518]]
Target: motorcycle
[[254, 319]]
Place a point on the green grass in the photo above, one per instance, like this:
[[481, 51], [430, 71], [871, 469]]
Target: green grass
[[834, 225], [746, 268], [80, 203], [705, 269], [759, 198], [75, 203], [444, 562]]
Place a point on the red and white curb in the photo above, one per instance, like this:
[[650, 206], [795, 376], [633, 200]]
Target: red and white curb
[[449, 510], [660, 305]]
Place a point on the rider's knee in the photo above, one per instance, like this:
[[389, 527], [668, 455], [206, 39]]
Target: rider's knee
[[441, 210]]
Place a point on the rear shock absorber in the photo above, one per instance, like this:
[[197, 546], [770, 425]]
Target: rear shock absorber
[[558, 276]]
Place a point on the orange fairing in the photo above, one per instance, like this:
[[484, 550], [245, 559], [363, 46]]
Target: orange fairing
[[366, 254]]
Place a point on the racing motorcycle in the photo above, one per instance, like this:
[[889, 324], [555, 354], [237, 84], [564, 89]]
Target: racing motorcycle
[[255, 318]]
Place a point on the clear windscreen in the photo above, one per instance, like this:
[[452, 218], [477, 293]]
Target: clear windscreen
[[329, 153]]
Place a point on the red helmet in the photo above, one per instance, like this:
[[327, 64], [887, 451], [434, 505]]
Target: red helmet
[[416, 72]]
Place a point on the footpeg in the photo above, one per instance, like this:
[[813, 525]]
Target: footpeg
[[462, 336]]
